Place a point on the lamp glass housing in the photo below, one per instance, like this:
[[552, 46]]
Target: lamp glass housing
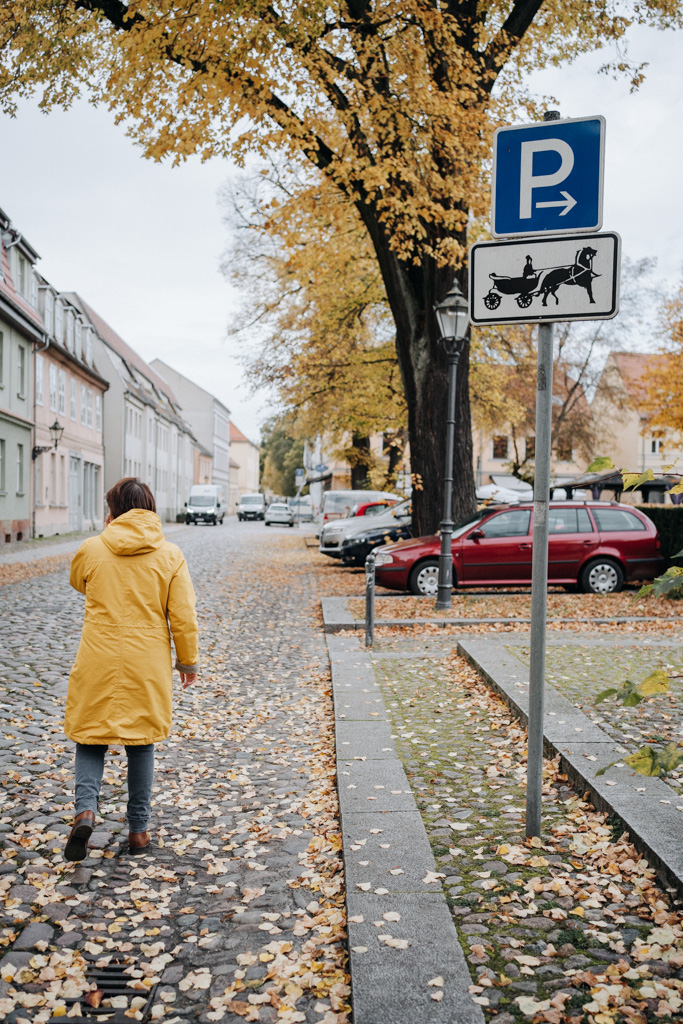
[[452, 314], [56, 431]]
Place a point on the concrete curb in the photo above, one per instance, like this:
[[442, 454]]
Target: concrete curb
[[382, 830], [337, 618], [647, 806]]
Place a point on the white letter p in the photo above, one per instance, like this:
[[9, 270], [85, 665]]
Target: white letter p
[[528, 181]]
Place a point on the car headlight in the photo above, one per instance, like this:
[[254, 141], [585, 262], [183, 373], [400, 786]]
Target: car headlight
[[383, 558]]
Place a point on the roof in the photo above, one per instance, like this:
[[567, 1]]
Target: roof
[[9, 291], [633, 368], [123, 349], [236, 435]]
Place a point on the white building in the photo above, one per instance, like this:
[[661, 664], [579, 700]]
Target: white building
[[209, 419], [144, 431]]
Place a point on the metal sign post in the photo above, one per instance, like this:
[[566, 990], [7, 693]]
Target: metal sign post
[[547, 181], [370, 599], [539, 577]]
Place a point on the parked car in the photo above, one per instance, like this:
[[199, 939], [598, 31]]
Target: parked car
[[370, 508], [597, 545], [355, 549], [206, 505], [278, 512], [251, 506], [302, 509], [332, 535], [338, 504]]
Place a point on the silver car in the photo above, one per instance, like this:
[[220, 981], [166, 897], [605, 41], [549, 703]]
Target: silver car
[[332, 534], [279, 513]]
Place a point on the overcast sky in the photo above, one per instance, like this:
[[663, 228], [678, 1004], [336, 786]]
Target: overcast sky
[[141, 242]]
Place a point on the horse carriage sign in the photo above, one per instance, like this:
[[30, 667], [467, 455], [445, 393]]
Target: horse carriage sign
[[531, 280]]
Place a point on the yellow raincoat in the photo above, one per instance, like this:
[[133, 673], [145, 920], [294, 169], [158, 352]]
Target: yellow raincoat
[[136, 585]]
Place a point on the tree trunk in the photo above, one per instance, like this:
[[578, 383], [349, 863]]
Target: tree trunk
[[360, 459], [412, 292]]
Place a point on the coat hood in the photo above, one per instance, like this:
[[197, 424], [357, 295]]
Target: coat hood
[[136, 532]]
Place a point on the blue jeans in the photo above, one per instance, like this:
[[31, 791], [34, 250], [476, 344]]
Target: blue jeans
[[89, 771]]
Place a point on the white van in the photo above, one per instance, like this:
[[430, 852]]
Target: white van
[[251, 506], [206, 504]]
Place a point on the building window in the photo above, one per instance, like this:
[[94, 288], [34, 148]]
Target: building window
[[2, 466], [40, 380], [84, 414], [34, 291], [49, 311], [59, 321], [22, 275], [89, 405], [656, 444], [530, 448], [53, 387], [78, 346], [20, 469], [88, 346], [98, 412], [73, 399], [21, 373], [62, 392], [69, 331], [500, 447], [564, 452]]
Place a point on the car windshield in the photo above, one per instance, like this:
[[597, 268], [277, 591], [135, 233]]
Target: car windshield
[[252, 499], [404, 508], [202, 499]]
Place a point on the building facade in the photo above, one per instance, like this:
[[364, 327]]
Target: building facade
[[69, 391], [245, 455], [146, 434], [209, 419], [21, 330]]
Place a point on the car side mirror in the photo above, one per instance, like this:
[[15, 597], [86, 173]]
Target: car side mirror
[[477, 534], [218, 505], [185, 504]]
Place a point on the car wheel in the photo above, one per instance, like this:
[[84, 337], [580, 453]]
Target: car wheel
[[602, 576], [424, 578]]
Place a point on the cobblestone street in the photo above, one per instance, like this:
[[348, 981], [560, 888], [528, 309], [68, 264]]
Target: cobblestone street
[[237, 908]]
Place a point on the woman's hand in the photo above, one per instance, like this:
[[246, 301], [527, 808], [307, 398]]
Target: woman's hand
[[188, 678]]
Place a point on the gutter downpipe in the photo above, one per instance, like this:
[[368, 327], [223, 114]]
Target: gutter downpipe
[[34, 498]]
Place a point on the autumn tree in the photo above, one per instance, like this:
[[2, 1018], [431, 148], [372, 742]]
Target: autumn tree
[[663, 390], [316, 329], [503, 373], [282, 453], [393, 101]]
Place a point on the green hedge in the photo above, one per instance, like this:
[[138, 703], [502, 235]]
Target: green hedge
[[669, 521]]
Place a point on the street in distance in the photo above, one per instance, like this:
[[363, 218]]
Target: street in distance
[[531, 280]]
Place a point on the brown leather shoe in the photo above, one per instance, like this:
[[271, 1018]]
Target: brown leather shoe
[[77, 843], [137, 841]]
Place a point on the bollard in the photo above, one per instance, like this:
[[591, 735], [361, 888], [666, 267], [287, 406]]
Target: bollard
[[370, 599]]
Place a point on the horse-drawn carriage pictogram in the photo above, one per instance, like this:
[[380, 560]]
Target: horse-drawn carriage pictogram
[[544, 282]]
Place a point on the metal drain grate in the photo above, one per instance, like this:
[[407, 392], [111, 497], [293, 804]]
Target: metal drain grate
[[111, 980]]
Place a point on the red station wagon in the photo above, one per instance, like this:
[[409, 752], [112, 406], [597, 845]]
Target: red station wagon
[[598, 545]]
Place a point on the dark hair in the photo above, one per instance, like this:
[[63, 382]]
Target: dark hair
[[127, 494]]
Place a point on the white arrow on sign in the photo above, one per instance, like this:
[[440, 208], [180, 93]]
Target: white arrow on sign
[[568, 202]]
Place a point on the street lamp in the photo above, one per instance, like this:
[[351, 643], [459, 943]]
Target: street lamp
[[452, 315], [56, 431]]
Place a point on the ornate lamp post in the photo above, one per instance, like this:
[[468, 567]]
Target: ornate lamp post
[[452, 315], [56, 431]]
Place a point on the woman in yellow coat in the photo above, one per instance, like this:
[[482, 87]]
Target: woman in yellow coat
[[136, 586]]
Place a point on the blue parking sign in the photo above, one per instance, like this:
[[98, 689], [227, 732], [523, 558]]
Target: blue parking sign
[[548, 177]]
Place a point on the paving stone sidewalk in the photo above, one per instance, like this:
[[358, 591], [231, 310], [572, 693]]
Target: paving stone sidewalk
[[238, 906], [574, 928]]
